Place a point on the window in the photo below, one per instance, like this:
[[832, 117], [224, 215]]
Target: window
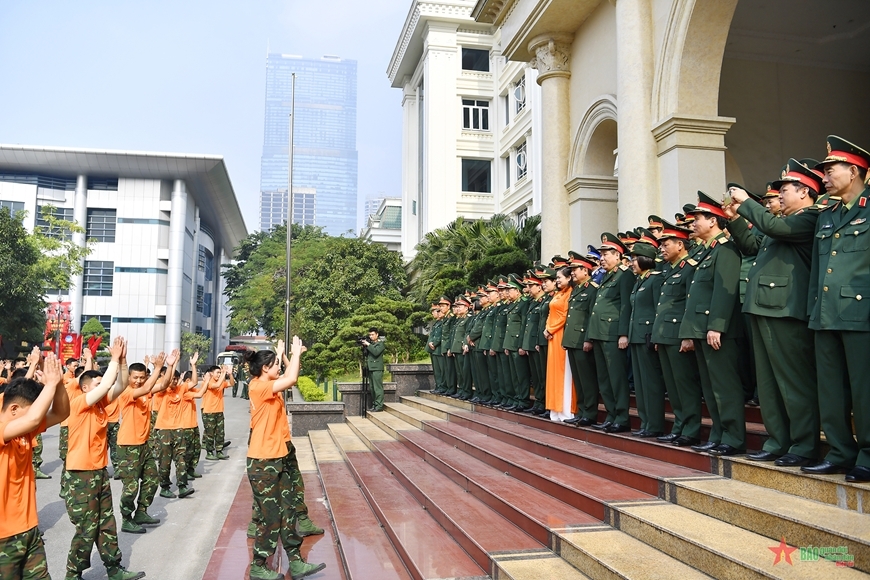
[[475, 115], [519, 94], [521, 161], [476, 175], [98, 278], [101, 224], [414, 207], [104, 319], [507, 171], [522, 216], [14, 206], [205, 263], [61, 213], [206, 305], [200, 293], [474, 59], [108, 184]]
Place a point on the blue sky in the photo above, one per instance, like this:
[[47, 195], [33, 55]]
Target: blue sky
[[188, 76]]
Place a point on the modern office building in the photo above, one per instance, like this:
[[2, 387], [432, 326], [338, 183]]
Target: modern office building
[[162, 225], [371, 206], [325, 159], [384, 225], [273, 207]]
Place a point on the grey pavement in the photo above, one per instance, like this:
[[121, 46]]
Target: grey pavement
[[181, 546]]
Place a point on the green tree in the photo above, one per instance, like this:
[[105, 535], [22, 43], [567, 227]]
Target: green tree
[[91, 329], [60, 257], [21, 288], [192, 342]]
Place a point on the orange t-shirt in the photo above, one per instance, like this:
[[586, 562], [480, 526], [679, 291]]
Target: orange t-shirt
[[18, 484], [156, 401], [87, 434], [135, 418], [270, 430], [189, 419], [213, 399], [114, 411], [72, 389], [173, 407]]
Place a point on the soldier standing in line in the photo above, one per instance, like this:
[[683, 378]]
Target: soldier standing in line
[[435, 338], [519, 364], [529, 343], [450, 378], [578, 349], [839, 313], [711, 325], [482, 393], [459, 348], [375, 346], [505, 384], [485, 343], [547, 276], [775, 304], [608, 333]]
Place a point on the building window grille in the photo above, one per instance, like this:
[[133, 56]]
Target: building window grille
[[98, 278], [60, 213], [101, 224], [205, 263], [521, 161], [200, 297], [476, 175], [475, 59], [522, 216], [475, 115], [519, 93], [206, 304]]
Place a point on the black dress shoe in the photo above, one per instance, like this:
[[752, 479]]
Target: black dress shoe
[[572, 421], [824, 468], [649, 434], [617, 428], [584, 422], [762, 456], [704, 446], [859, 473], [474, 400], [537, 411], [684, 441], [668, 438], [792, 460], [638, 432], [545, 415], [753, 402], [509, 408], [723, 450], [603, 426]]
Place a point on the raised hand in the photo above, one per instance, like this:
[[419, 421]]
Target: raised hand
[[296, 347], [117, 349], [194, 358], [280, 348], [87, 354], [173, 357], [158, 360], [34, 356], [53, 370]]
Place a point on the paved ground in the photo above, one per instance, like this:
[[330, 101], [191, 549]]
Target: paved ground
[[179, 548]]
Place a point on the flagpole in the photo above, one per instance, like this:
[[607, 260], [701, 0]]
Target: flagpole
[[287, 334]]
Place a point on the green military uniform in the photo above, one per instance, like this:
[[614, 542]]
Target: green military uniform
[[459, 359], [713, 305], [530, 345], [840, 314], [649, 385], [375, 366], [437, 359], [776, 298], [609, 320], [502, 395], [485, 345], [450, 378], [582, 363], [519, 364], [482, 389]]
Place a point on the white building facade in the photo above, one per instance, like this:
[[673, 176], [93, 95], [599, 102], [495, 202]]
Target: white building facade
[[384, 225], [468, 145], [162, 225]]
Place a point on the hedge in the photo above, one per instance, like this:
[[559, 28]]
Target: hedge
[[309, 389]]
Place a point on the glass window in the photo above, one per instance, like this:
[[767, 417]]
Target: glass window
[[520, 94], [476, 175], [98, 278], [475, 115], [474, 59], [521, 161], [200, 294], [61, 213], [101, 224], [507, 172], [522, 216], [14, 206], [206, 305], [414, 207]]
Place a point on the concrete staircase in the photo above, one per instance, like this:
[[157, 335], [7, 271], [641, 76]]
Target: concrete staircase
[[436, 488]]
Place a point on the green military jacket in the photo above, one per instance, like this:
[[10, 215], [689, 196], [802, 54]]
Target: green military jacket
[[532, 326], [671, 306], [446, 334], [475, 327], [516, 323], [839, 296], [579, 309], [457, 339], [777, 284], [611, 311], [435, 336], [488, 327], [712, 302], [375, 355], [500, 326], [542, 323], [644, 299]]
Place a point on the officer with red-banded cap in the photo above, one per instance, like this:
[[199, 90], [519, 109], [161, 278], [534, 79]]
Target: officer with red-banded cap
[[712, 324], [579, 353], [839, 305], [775, 305], [655, 225]]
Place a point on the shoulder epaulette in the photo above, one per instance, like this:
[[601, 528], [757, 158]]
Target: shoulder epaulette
[[593, 284], [623, 267], [655, 272], [692, 261]]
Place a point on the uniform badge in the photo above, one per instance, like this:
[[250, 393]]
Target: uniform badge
[[784, 173], [857, 222], [829, 147], [825, 201], [603, 239], [682, 263], [692, 262], [676, 275], [863, 202]]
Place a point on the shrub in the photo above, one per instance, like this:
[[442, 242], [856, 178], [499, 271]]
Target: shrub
[[309, 389]]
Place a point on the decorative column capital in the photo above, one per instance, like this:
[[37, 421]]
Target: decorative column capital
[[552, 55]]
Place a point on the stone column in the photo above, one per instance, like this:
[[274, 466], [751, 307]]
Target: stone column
[[175, 276], [639, 189], [76, 290], [552, 55]]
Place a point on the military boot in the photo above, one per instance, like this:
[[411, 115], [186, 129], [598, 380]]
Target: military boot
[[167, 493], [263, 573], [221, 455], [120, 573], [142, 518], [185, 491], [40, 475], [301, 569], [305, 527], [131, 527], [210, 456]]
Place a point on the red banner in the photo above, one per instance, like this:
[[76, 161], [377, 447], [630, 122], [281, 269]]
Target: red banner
[[70, 346]]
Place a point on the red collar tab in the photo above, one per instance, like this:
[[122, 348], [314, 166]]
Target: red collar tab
[[862, 202]]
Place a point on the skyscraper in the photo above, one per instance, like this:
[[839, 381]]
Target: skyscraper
[[325, 160]]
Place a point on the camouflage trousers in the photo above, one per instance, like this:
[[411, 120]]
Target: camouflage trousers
[[274, 492], [213, 432], [138, 471], [62, 449], [22, 556], [37, 452], [297, 485], [193, 448], [172, 449], [112, 436], [153, 440], [89, 506]]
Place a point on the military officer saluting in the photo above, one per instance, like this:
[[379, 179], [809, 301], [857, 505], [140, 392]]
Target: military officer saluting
[[712, 324], [840, 311], [776, 296]]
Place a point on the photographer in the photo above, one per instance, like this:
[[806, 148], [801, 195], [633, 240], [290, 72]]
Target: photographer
[[374, 348]]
